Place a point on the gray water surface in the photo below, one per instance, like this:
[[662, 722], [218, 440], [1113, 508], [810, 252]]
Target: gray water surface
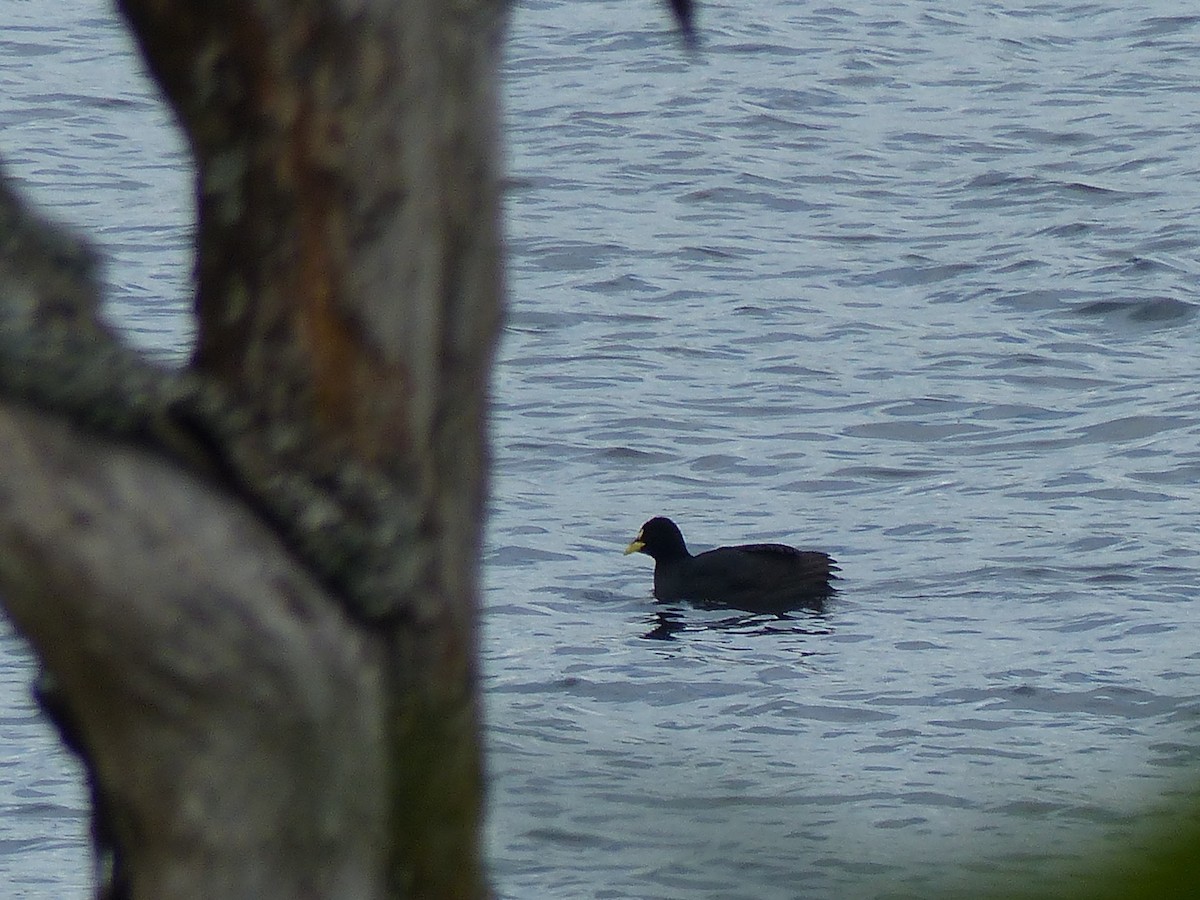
[[916, 286]]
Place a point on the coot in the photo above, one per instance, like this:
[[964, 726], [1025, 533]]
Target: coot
[[771, 578]]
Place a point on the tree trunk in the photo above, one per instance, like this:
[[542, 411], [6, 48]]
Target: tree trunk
[[253, 583]]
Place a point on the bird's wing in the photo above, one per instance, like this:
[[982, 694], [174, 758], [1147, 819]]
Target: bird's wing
[[760, 577]]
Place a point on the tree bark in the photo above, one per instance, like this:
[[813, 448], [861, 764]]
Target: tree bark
[[254, 583], [228, 709]]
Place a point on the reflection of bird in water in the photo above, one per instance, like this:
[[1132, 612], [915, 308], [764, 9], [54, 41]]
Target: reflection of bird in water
[[668, 624], [771, 578], [685, 11]]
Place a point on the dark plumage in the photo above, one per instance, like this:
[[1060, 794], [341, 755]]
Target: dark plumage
[[756, 577]]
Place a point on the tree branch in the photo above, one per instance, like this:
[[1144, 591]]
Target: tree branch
[[207, 671]]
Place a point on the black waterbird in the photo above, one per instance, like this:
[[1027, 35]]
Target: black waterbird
[[770, 578]]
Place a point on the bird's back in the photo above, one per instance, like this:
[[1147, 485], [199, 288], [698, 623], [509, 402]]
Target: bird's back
[[755, 577]]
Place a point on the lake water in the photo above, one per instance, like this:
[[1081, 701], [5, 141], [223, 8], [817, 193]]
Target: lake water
[[914, 286]]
